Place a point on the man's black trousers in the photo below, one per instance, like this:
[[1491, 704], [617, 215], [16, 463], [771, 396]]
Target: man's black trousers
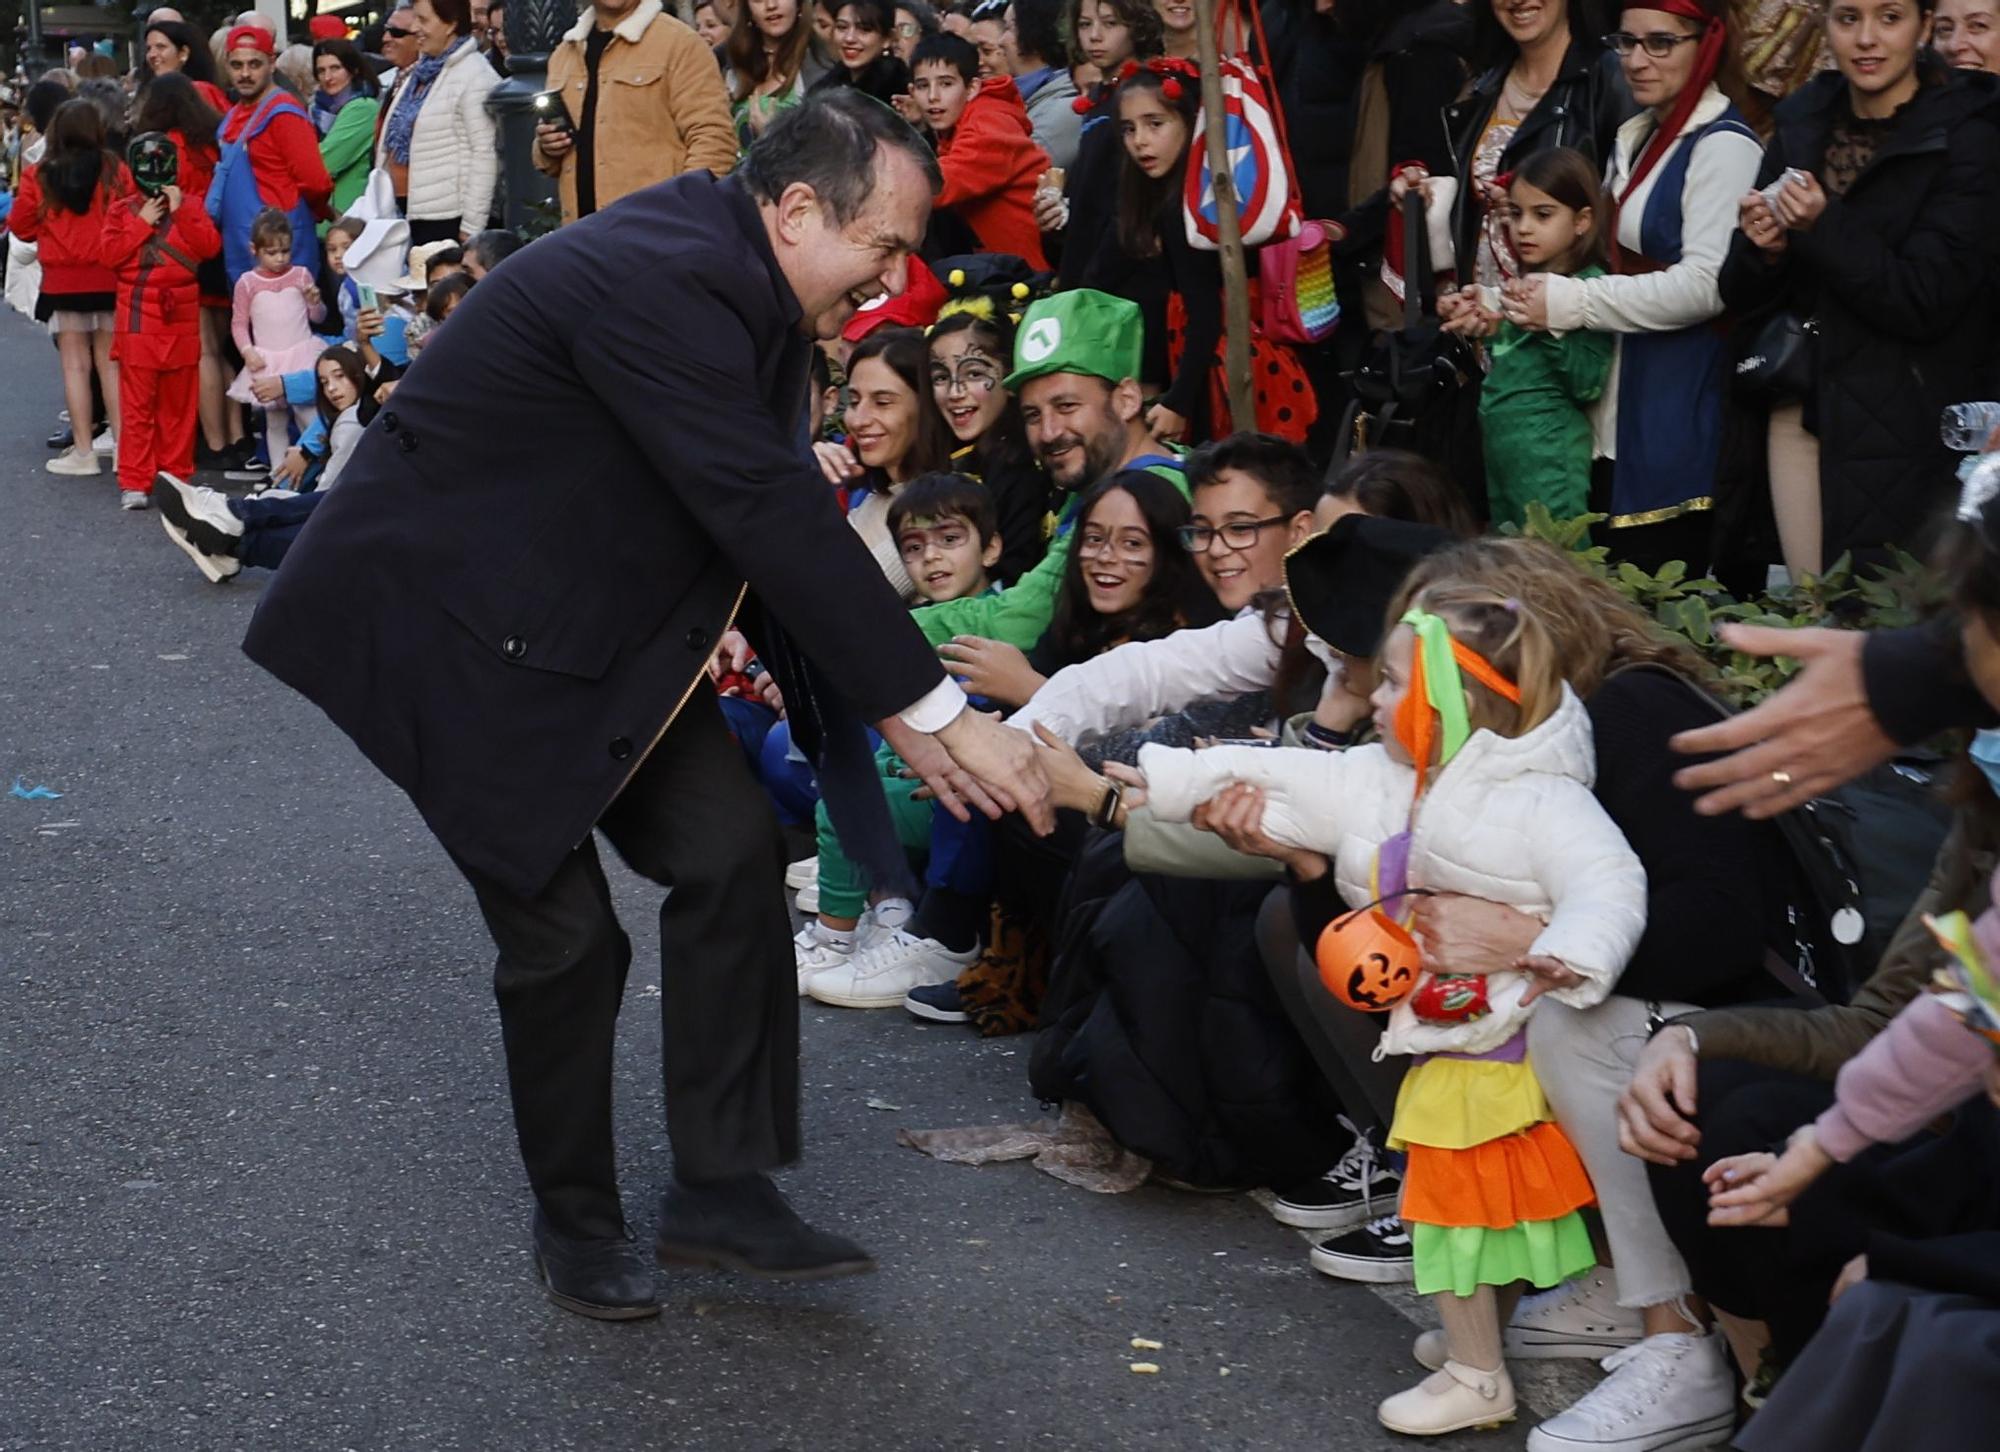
[[692, 819]]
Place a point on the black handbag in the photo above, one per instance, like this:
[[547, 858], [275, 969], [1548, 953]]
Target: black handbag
[[1418, 388], [1782, 361]]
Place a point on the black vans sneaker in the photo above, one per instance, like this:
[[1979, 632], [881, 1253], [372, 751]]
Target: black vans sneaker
[[937, 1002], [1361, 1187], [1379, 1253]]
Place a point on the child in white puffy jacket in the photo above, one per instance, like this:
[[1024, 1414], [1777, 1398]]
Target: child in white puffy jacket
[[1480, 785]]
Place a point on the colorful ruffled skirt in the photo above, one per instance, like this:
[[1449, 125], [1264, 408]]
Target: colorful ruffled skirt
[[1493, 1187]]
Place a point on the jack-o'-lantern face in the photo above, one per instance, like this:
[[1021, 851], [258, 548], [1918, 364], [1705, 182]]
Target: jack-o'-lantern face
[[1368, 961]]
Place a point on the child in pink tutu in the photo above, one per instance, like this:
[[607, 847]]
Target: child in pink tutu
[[274, 309]]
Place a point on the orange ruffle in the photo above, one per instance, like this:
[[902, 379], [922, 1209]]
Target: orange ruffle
[[1532, 1175]]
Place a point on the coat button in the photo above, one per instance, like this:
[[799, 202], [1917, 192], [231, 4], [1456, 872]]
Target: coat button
[[407, 442], [513, 647], [697, 639], [389, 423], [620, 748]]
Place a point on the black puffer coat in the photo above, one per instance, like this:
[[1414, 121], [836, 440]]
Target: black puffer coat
[[1899, 276], [1161, 1019], [1317, 66]]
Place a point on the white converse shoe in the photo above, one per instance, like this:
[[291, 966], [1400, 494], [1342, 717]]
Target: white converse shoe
[[807, 901], [1451, 1399], [798, 874], [818, 948], [1580, 1317], [1667, 1393], [882, 974]]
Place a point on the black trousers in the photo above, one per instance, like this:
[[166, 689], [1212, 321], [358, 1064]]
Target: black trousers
[[692, 819], [444, 229]]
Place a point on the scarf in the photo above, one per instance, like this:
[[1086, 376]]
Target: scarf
[[1436, 695], [1707, 59], [325, 107], [423, 75]]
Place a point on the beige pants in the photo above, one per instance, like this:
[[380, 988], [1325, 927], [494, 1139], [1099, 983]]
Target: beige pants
[[1792, 456]]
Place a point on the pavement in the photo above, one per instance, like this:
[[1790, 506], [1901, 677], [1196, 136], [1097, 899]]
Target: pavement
[[258, 1185]]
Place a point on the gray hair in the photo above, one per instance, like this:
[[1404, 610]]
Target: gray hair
[[829, 141]]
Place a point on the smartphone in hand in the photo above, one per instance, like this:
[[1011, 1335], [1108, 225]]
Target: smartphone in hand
[[551, 110]]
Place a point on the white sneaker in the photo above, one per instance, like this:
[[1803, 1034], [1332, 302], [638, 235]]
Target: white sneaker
[[802, 872], [818, 948], [1667, 1393], [808, 899], [1580, 1317], [76, 463], [105, 445], [133, 499], [883, 973], [1454, 1397]]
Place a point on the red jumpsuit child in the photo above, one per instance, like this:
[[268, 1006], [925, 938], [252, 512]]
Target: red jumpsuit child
[[155, 251]]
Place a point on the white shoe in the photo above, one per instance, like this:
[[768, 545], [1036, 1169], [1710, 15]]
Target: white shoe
[[133, 499], [818, 948], [808, 899], [1666, 1393], [1580, 1317], [76, 463], [1454, 1397], [883, 973], [105, 445], [802, 872]]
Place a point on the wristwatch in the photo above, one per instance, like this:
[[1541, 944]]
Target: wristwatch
[[1107, 805]]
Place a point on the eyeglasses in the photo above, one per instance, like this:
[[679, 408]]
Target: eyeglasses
[[1238, 534], [1091, 545], [908, 29], [1659, 44]]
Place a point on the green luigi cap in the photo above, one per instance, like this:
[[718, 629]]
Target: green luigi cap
[[1080, 331]]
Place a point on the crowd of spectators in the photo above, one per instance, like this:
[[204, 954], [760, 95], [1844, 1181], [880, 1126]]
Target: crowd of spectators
[[1709, 271]]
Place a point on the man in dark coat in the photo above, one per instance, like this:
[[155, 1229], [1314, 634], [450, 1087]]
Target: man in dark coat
[[509, 603]]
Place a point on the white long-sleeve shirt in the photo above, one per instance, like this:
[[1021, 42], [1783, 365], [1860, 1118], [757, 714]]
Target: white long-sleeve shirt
[[1142, 679]]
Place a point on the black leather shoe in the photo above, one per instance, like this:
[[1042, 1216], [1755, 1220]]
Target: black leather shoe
[[746, 1225], [607, 1280]]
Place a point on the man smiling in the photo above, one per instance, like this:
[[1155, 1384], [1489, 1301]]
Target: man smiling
[[510, 602]]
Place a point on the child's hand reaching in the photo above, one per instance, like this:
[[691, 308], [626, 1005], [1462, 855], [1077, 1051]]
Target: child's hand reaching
[[1548, 974], [313, 299], [1758, 1189]]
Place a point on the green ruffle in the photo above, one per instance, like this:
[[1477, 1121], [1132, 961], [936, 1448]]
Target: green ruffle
[[1462, 1258]]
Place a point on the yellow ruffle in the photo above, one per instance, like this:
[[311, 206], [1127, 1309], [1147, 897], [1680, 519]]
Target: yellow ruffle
[[1458, 1103]]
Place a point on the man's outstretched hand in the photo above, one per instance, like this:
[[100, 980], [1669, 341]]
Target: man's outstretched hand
[[1804, 741], [977, 762]]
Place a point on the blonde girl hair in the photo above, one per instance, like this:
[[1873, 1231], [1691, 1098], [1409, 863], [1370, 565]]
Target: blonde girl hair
[[1510, 638], [1592, 629]]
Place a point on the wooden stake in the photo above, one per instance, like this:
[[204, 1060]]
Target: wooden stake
[[1235, 270]]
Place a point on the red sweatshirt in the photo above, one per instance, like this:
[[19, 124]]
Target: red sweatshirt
[[991, 165], [159, 303], [285, 158], [69, 244]]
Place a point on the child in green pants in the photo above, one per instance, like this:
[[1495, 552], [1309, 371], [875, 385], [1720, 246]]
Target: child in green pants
[[1534, 407], [948, 534]]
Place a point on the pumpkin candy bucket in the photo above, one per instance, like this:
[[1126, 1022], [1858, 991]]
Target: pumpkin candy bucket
[[1368, 960]]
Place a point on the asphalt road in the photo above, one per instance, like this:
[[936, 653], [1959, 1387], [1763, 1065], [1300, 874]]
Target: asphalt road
[[258, 1187]]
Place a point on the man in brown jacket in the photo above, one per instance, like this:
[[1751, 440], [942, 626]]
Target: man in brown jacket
[[646, 102]]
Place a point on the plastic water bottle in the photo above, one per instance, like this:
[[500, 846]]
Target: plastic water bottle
[[1965, 427]]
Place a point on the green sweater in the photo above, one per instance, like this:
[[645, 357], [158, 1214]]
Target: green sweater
[[1019, 614], [1534, 419], [348, 150]]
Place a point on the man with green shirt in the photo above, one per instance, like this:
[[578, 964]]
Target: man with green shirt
[[1076, 366]]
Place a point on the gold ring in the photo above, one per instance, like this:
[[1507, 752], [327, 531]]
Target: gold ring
[[1782, 778]]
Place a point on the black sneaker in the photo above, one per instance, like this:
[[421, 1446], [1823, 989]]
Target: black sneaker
[[1379, 1253], [937, 1002], [1355, 1191]]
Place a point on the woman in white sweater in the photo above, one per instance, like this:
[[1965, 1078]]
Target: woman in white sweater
[[439, 130], [1677, 171]]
